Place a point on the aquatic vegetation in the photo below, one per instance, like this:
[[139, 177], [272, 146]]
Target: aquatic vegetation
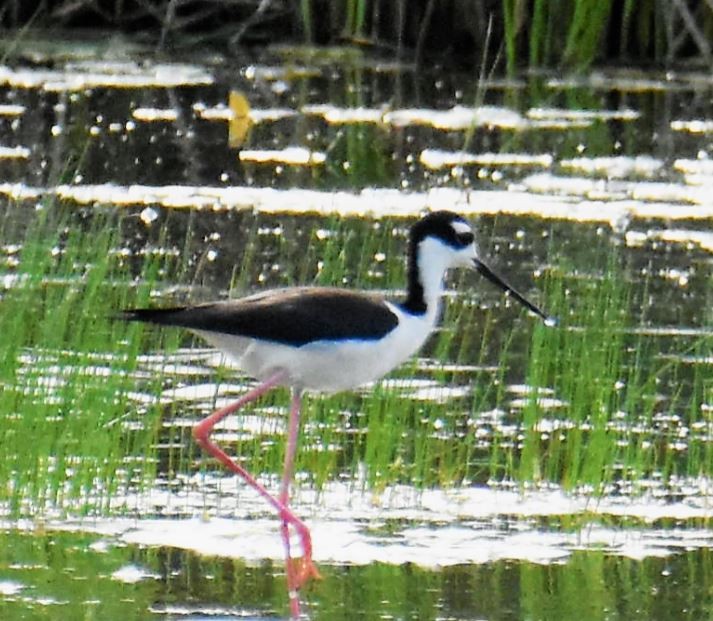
[[89, 413], [68, 441], [552, 33]]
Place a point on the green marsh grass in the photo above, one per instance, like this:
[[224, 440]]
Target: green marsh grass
[[73, 438], [541, 33], [581, 362], [306, 17], [66, 368], [355, 17], [610, 427]]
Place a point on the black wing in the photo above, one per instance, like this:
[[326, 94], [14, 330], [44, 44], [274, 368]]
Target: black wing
[[294, 316]]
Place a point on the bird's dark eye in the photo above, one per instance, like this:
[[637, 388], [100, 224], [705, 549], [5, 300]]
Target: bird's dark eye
[[465, 239]]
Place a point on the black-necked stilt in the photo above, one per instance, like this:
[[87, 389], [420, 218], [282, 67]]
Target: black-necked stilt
[[326, 340]]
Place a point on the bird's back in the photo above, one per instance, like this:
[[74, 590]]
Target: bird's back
[[294, 317]]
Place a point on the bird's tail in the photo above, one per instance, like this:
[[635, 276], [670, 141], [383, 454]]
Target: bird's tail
[[150, 315]]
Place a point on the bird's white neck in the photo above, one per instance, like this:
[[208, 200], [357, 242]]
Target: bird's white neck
[[427, 267]]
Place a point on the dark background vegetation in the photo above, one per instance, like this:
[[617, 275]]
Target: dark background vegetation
[[520, 33]]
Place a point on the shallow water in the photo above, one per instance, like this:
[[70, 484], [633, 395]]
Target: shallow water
[[77, 575], [559, 174]]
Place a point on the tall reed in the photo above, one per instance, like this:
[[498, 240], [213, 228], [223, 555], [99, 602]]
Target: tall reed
[[64, 366]]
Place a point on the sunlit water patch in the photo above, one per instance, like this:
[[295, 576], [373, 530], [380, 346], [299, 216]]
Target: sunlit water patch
[[21, 153], [290, 155], [105, 74], [11, 110], [560, 198], [223, 112], [155, 114], [615, 167], [175, 583], [553, 114], [698, 126], [436, 159], [402, 525]]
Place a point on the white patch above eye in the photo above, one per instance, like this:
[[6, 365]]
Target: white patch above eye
[[461, 227]]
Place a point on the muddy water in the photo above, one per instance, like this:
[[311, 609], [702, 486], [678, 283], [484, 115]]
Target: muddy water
[[282, 154]]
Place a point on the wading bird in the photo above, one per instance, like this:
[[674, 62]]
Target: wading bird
[[314, 339]]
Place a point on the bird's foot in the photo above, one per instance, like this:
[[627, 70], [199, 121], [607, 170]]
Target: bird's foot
[[300, 571]]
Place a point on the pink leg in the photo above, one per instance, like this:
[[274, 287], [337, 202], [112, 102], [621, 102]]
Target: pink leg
[[293, 577], [298, 573], [292, 435]]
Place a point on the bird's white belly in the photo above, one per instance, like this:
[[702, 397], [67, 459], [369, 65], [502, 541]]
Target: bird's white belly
[[327, 366]]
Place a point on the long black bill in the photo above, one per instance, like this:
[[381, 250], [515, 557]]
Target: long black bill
[[508, 289]]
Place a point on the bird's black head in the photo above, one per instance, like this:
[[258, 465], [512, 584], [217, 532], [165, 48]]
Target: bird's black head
[[438, 241], [454, 247], [446, 226]]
